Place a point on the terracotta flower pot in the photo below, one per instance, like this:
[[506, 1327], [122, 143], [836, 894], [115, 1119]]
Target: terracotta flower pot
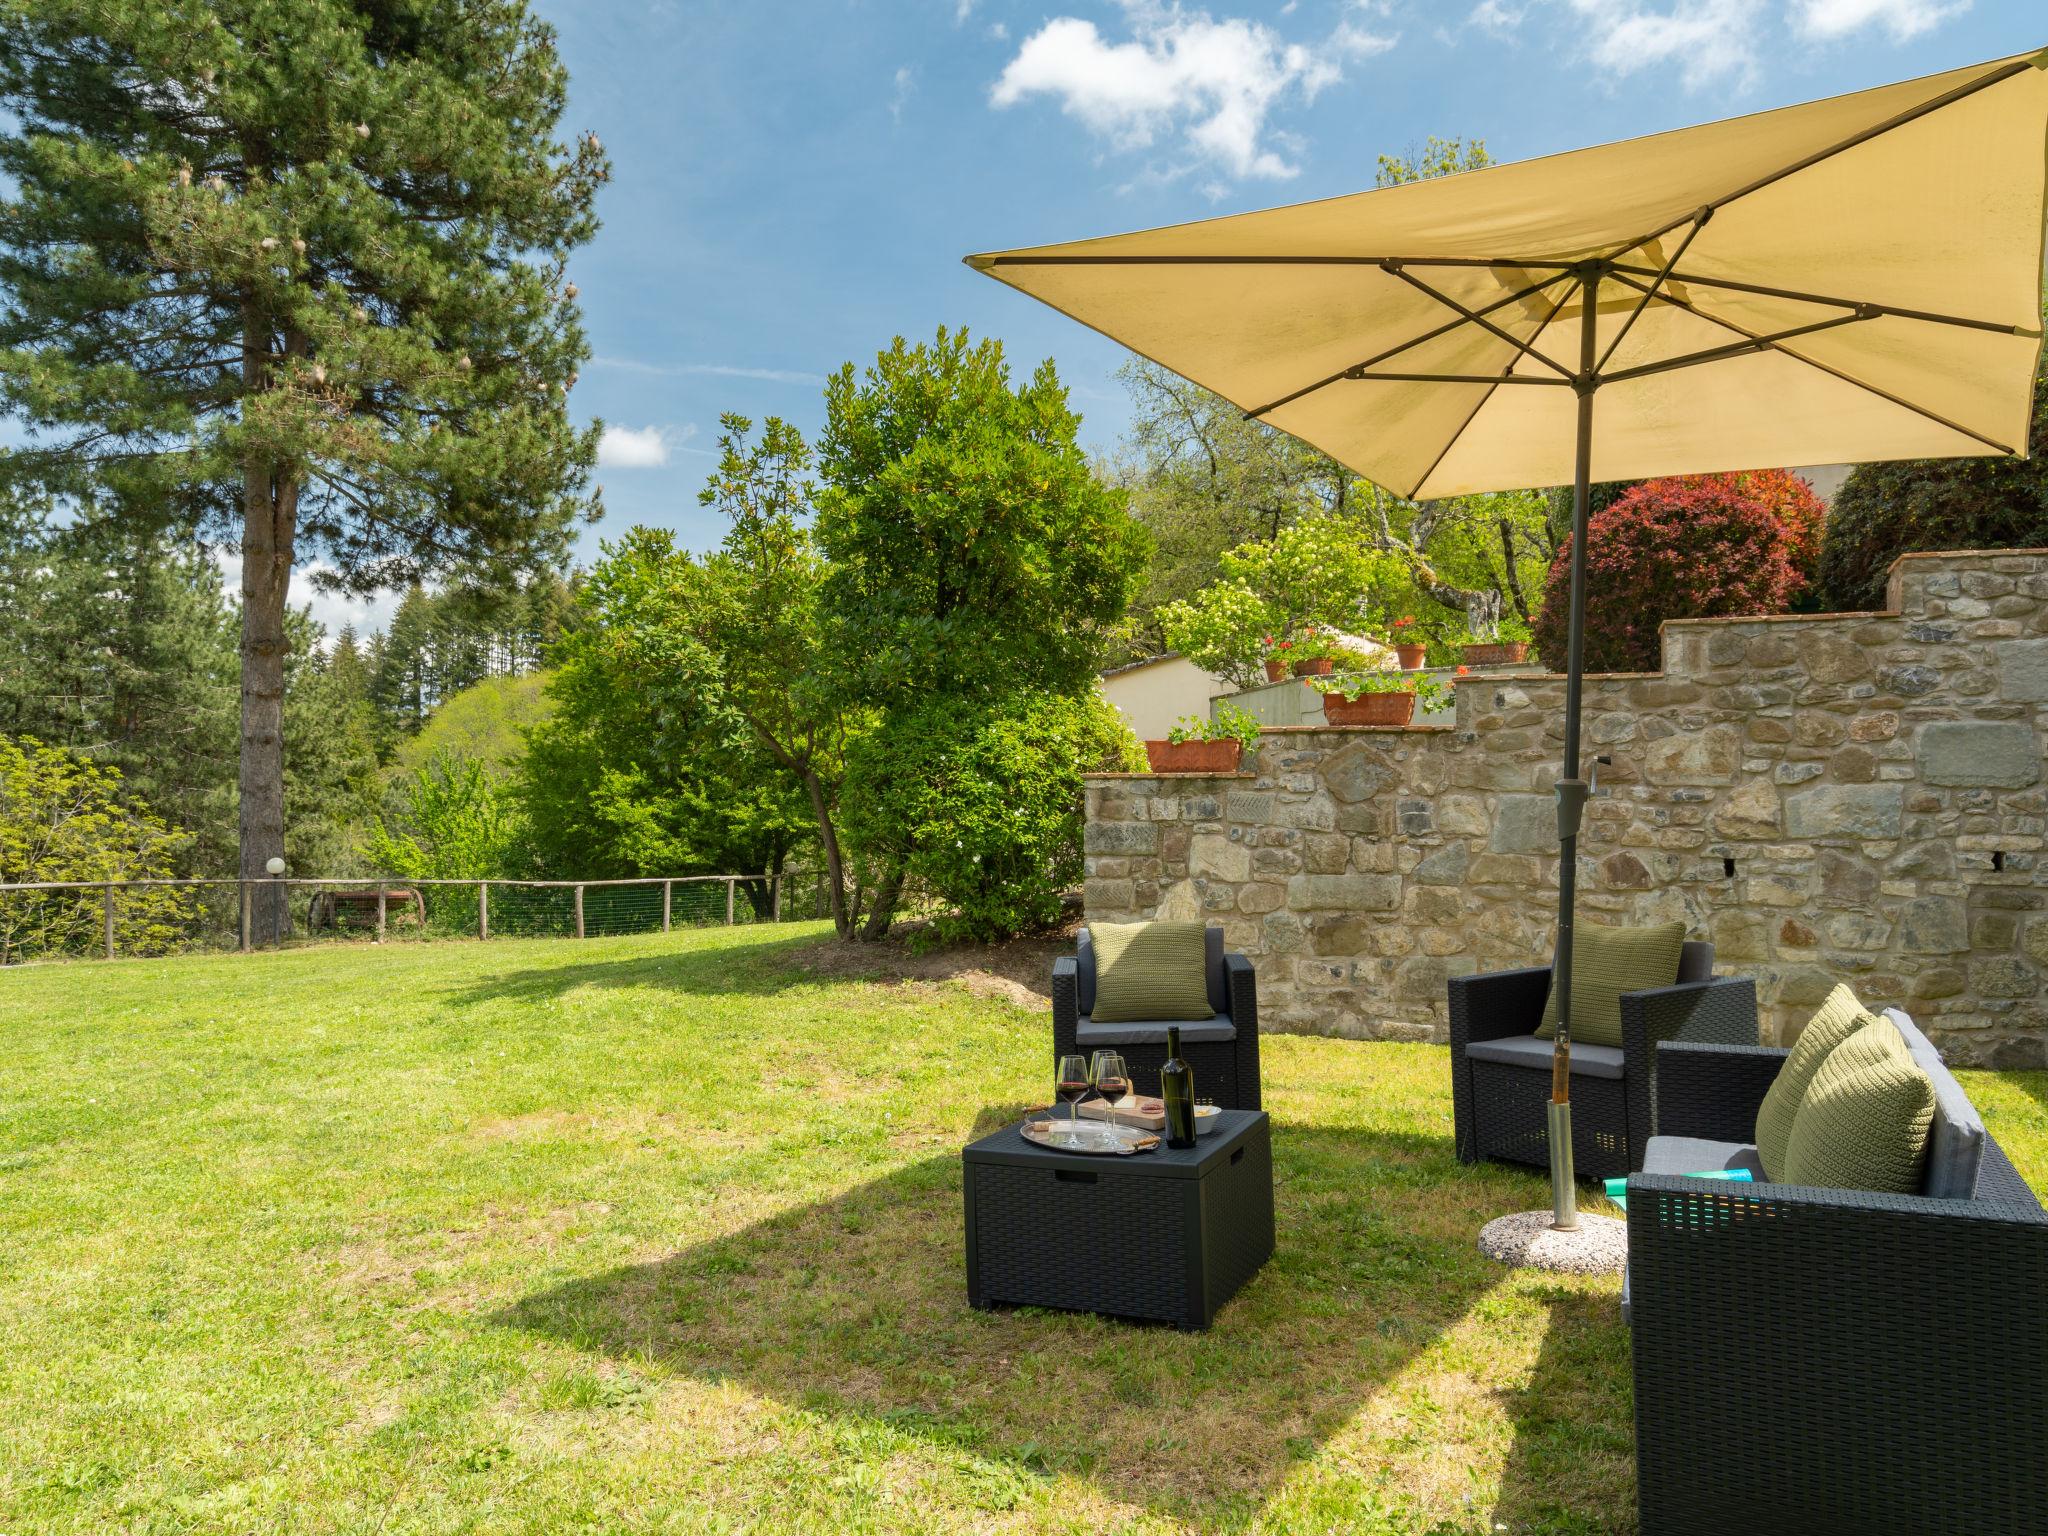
[[1506, 653], [1316, 666], [1412, 656], [1276, 670], [1369, 709], [1194, 756]]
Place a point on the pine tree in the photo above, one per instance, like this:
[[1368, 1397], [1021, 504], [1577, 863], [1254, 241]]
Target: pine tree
[[291, 272], [118, 644]]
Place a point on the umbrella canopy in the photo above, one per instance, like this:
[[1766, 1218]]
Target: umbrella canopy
[[1853, 279], [1864, 273]]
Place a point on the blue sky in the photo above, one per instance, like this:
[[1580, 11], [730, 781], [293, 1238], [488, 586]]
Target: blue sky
[[795, 183]]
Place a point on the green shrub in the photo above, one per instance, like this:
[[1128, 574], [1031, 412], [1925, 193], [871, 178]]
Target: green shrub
[[1686, 546], [982, 804], [1884, 511], [64, 817]]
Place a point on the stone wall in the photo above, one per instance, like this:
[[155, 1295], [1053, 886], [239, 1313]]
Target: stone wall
[[1853, 796]]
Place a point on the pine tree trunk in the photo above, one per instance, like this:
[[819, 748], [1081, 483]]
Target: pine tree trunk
[[269, 515], [270, 507]]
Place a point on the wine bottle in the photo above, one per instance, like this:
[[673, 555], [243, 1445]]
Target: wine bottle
[[1177, 1092]]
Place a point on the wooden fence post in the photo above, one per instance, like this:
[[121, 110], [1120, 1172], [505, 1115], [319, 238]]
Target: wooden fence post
[[483, 909], [245, 916], [579, 911], [107, 902], [382, 896], [668, 891], [730, 883], [775, 898]]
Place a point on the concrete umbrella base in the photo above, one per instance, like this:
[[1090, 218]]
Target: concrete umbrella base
[[1528, 1240]]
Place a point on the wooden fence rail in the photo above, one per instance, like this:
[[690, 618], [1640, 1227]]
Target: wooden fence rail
[[245, 892]]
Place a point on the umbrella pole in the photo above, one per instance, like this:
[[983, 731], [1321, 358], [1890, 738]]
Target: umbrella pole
[[1571, 789]]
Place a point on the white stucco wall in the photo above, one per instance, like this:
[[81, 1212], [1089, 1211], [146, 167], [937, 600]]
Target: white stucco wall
[[1153, 694]]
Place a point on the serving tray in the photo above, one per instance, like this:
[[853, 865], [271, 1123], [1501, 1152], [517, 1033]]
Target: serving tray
[[1090, 1139]]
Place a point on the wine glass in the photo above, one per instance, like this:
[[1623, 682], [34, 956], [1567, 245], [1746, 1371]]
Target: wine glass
[[1070, 1086], [1112, 1081]]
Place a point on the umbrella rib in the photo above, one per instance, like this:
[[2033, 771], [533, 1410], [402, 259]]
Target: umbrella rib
[[1453, 378], [1831, 371], [1699, 222], [1394, 269], [1394, 351], [1578, 286], [1275, 259], [1947, 98], [1758, 343], [1800, 297]]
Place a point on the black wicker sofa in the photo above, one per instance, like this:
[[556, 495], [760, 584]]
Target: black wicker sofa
[[1819, 1361]]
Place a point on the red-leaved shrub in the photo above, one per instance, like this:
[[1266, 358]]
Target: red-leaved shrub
[[1688, 546]]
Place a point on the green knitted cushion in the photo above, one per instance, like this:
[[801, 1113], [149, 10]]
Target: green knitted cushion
[[1607, 962], [1146, 971], [1864, 1119], [1838, 1018]]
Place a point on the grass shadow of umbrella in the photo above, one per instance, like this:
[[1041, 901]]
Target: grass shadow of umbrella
[[854, 1306]]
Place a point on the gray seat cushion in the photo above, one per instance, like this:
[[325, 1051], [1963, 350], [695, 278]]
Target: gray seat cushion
[[1680, 1155], [1955, 1142], [1534, 1051], [1092, 1036], [1695, 1154]]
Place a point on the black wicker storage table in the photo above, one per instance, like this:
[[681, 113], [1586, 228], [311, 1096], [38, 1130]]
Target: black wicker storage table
[[1168, 1235]]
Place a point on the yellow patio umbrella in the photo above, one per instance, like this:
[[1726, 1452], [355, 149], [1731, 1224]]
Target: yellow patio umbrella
[[1848, 280]]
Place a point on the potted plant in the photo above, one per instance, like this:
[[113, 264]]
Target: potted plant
[[1195, 745], [1312, 654], [1413, 652], [1377, 698], [1494, 653], [1279, 657]]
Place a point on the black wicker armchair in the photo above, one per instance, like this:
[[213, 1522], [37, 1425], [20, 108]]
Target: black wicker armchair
[[1826, 1362], [1222, 1051], [1500, 1068]]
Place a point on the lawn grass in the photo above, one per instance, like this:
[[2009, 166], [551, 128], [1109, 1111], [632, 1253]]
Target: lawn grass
[[662, 1234]]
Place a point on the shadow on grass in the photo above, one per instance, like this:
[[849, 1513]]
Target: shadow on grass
[[755, 961], [855, 1307], [1574, 1427]]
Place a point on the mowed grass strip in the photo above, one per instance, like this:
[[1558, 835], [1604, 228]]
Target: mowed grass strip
[[663, 1234]]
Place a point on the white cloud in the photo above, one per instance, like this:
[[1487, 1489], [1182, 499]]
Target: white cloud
[[330, 609], [906, 82], [712, 370], [1710, 40], [1214, 83], [1499, 17], [633, 447], [1826, 20], [1357, 43]]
